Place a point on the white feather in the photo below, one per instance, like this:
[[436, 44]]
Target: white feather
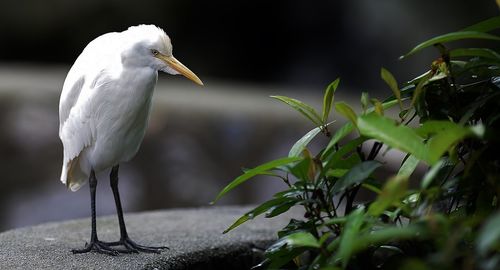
[[106, 100]]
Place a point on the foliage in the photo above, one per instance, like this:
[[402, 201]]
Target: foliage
[[446, 120]]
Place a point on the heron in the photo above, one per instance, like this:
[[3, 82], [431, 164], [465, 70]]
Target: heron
[[104, 110]]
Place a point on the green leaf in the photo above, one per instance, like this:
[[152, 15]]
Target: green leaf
[[379, 109], [346, 110], [408, 166], [301, 144], [396, 136], [280, 209], [336, 172], [393, 84], [301, 239], [301, 169], [296, 226], [431, 174], [334, 158], [290, 246], [387, 234], [489, 235], [303, 108], [258, 211], [349, 236], [419, 88], [447, 134], [335, 220], [475, 52], [339, 135], [387, 104], [451, 37], [392, 192], [356, 175], [328, 99], [371, 187], [255, 171], [297, 148], [365, 99], [437, 126], [279, 255], [485, 26]]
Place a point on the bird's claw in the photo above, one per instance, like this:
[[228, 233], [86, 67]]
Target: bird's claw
[[97, 246], [133, 247]]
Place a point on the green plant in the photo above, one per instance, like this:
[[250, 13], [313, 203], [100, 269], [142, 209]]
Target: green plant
[[448, 120]]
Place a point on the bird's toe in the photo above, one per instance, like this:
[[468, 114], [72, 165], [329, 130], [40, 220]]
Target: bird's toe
[[132, 247], [96, 246]]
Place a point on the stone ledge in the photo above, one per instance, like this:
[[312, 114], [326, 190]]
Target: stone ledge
[[194, 236]]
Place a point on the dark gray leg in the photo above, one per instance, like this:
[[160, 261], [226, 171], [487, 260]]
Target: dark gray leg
[[130, 246], [95, 244]]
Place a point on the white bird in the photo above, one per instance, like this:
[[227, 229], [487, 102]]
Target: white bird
[[104, 110]]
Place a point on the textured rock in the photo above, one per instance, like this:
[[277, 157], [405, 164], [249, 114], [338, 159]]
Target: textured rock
[[194, 237]]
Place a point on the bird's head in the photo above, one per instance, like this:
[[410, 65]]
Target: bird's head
[[150, 45]]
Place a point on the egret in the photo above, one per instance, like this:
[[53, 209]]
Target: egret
[[104, 111]]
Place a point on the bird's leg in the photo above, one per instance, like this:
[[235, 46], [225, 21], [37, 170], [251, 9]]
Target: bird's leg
[[130, 246], [95, 244]]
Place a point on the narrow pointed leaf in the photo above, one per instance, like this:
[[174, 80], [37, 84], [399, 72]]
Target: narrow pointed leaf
[[349, 236], [255, 171], [328, 99], [364, 100], [409, 166], [356, 175], [303, 108], [442, 142], [302, 143], [279, 209], [451, 37], [300, 239], [390, 233], [446, 134], [396, 136], [419, 88], [485, 26], [346, 110], [393, 84], [437, 126], [339, 135], [473, 52], [258, 211]]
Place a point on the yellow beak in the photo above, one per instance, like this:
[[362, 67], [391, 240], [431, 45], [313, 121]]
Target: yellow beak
[[179, 67]]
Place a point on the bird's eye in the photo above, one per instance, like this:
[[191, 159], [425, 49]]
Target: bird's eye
[[155, 52]]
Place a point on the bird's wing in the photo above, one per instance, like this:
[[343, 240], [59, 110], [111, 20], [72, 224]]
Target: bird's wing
[[77, 106], [86, 76], [75, 132], [78, 124], [71, 91], [93, 58]]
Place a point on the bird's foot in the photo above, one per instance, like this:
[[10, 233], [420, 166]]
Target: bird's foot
[[132, 247], [97, 246]]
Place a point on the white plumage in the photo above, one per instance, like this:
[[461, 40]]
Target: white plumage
[[106, 99]]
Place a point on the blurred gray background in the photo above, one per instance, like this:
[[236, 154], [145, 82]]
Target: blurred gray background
[[199, 138]]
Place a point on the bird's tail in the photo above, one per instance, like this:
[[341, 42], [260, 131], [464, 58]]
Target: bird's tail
[[72, 174]]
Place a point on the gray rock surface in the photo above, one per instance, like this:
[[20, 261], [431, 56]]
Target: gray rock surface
[[194, 237]]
